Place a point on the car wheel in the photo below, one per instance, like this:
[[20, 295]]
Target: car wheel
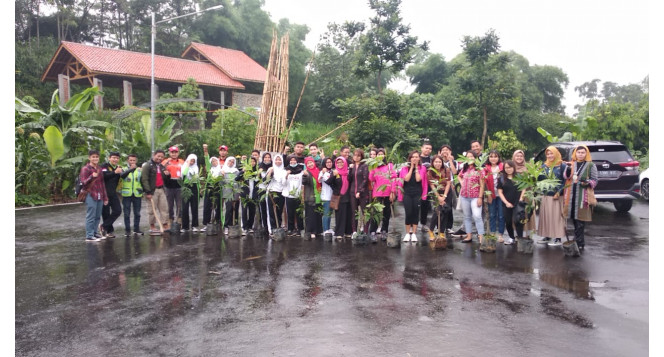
[[645, 189], [623, 205]]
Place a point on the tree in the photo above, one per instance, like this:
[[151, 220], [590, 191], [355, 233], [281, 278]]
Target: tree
[[430, 75], [487, 81], [386, 46]]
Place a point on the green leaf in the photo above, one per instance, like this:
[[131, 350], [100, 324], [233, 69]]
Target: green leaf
[[54, 143]]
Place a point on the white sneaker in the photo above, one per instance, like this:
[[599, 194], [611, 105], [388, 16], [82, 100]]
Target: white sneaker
[[244, 232], [406, 238], [225, 231], [204, 229], [413, 238], [194, 229], [354, 235], [182, 230]]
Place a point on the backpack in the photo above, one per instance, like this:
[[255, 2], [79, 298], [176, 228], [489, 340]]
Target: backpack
[[78, 185]]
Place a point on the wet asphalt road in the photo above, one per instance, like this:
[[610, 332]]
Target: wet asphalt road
[[197, 295]]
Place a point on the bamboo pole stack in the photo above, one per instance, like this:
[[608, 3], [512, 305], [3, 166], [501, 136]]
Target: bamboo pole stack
[[274, 104]]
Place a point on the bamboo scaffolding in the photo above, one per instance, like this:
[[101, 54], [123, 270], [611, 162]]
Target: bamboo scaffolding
[[304, 85]]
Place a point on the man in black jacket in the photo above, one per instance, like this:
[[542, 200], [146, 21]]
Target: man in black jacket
[[113, 209], [153, 177]]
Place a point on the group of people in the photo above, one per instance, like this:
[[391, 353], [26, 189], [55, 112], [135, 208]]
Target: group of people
[[279, 187]]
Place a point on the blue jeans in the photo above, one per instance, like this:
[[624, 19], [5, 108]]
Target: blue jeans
[[92, 216], [327, 215], [129, 203], [496, 214], [472, 213]]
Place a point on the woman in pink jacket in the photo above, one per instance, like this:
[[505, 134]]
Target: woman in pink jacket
[[415, 188], [383, 180]]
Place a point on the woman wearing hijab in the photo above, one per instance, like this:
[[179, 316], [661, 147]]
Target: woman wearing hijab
[[274, 179], [212, 197], [312, 200], [340, 186], [291, 192], [263, 204], [250, 193], [230, 192], [326, 192], [519, 160], [551, 221], [581, 175], [191, 182]]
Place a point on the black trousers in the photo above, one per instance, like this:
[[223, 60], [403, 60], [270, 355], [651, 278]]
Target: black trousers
[[579, 234], [232, 212], [444, 215], [411, 205], [314, 218], [174, 199], [191, 203], [111, 212], [129, 203], [248, 214], [292, 204], [355, 203], [387, 213], [511, 221], [342, 219], [267, 209], [208, 206], [425, 207]]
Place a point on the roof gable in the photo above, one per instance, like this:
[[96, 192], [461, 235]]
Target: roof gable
[[101, 60], [234, 63]]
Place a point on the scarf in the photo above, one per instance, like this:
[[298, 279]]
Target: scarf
[[519, 168], [263, 166], [557, 158], [228, 167], [191, 170], [343, 172], [215, 171], [294, 170], [278, 171]]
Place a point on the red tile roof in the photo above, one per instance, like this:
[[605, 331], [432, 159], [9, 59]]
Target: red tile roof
[[235, 63], [137, 64]]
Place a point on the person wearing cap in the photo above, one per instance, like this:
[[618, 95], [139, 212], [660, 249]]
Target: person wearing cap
[[223, 153], [173, 188], [109, 213]]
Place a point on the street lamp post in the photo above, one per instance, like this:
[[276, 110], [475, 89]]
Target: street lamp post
[[152, 92]]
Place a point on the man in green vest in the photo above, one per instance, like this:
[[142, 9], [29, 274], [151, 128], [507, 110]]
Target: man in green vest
[[132, 192]]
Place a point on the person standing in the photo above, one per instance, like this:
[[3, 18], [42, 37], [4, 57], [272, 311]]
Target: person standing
[[212, 199], [341, 187], [472, 191], [326, 193], [453, 166], [425, 205], [415, 189], [275, 178], [223, 153], [358, 178], [383, 179], [492, 171], [312, 201], [191, 180], [249, 193], [510, 196], [551, 221], [519, 159], [317, 154], [132, 194], [173, 187], [440, 183], [298, 153], [153, 177], [581, 176], [230, 192], [112, 173], [292, 191], [92, 180]]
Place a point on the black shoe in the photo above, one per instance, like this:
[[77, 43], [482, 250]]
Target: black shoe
[[459, 232], [138, 233], [127, 233], [97, 235]]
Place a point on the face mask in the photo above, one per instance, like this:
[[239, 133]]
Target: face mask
[[293, 165]]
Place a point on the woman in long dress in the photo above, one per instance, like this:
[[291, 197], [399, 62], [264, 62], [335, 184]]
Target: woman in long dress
[[551, 220]]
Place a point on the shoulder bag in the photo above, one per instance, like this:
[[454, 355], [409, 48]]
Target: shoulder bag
[[334, 202]]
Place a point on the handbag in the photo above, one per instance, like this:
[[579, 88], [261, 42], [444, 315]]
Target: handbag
[[592, 201], [334, 202], [82, 195]]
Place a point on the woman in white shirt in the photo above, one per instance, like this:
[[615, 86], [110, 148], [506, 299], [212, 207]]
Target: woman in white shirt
[[326, 193]]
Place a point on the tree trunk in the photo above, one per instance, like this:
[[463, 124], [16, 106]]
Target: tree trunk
[[485, 125], [380, 89]]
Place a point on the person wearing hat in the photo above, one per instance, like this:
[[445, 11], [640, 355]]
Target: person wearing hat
[[223, 152], [109, 213], [173, 188]]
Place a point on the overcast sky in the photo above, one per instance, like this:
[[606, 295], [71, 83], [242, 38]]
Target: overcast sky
[[606, 39]]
